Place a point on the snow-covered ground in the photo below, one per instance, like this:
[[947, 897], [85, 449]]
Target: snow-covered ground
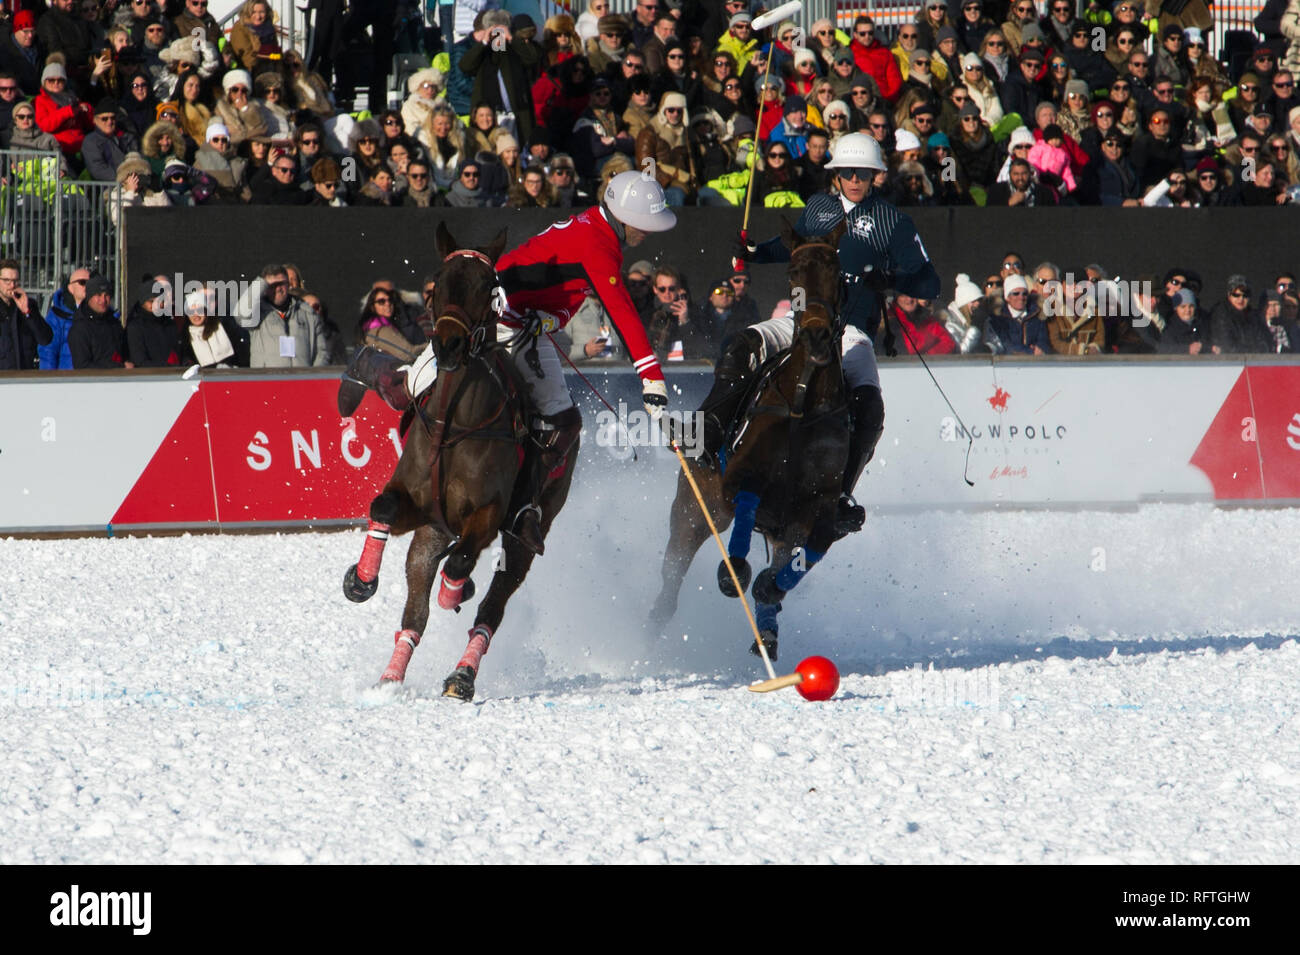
[[1020, 687]]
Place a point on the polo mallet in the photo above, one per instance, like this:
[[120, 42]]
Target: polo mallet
[[816, 678], [726, 558], [762, 23]]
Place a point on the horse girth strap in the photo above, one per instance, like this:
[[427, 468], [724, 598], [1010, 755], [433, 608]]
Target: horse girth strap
[[448, 400]]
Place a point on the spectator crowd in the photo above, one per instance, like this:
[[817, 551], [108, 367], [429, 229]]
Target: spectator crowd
[[974, 103], [999, 102]]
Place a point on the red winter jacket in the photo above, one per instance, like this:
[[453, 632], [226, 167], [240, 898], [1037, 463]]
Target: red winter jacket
[[881, 65], [554, 273], [67, 124], [931, 338]]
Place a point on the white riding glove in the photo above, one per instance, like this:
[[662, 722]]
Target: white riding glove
[[654, 395]]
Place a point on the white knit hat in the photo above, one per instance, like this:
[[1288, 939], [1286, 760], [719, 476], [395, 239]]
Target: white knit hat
[[241, 77], [1013, 282], [967, 291], [905, 139], [216, 128]]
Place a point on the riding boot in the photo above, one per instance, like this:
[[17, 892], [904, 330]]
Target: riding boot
[[868, 415], [555, 436], [373, 369], [736, 368]]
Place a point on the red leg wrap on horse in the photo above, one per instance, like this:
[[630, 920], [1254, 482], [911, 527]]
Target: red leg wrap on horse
[[406, 642], [372, 552], [450, 591], [479, 640]]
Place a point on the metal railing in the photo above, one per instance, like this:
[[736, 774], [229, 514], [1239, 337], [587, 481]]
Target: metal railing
[[51, 224]]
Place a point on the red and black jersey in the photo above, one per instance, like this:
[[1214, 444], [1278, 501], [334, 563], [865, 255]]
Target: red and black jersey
[[553, 273]]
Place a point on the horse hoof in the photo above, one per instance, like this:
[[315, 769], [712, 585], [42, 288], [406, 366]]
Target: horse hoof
[[743, 574], [769, 644], [765, 589], [460, 685], [356, 589]]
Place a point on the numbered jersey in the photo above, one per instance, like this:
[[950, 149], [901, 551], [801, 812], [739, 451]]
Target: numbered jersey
[[554, 273], [877, 239]]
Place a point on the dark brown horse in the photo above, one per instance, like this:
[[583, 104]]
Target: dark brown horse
[[783, 471], [458, 473]]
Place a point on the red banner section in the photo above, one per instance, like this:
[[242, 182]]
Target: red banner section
[[281, 453], [176, 486], [1251, 451], [1275, 395]]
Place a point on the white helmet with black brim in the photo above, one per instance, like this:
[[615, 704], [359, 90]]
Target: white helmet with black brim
[[637, 200]]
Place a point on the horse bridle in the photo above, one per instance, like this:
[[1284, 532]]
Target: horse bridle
[[832, 311], [457, 315]]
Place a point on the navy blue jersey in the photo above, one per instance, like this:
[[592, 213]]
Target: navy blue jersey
[[880, 248]]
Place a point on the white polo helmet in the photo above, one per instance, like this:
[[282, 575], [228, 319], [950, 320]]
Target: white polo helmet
[[857, 151], [638, 201]]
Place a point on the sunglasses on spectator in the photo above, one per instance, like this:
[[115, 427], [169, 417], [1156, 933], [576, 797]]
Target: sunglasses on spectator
[[739, 280], [383, 300], [1249, 150], [417, 175], [1058, 65], [1139, 64], [864, 32], [367, 141], [9, 89], [328, 185], [1197, 43], [391, 121], [219, 139], [732, 86], [878, 125], [850, 173], [314, 141], [469, 174], [993, 283], [778, 155], [1208, 175], [1177, 182], [1238, 293], [24, 116], [1284, 84], [1248, 88], [1125, 41], [908, 36], [280, 167], [666, 288], [861, 92], [1177, 282]]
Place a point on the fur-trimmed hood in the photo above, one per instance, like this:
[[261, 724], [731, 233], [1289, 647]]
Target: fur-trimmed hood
[[156, 132]]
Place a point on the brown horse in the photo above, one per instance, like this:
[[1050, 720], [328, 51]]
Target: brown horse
[[783, 471], [458, 475]]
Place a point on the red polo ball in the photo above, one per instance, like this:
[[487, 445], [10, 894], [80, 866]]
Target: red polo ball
[[820, 678]]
